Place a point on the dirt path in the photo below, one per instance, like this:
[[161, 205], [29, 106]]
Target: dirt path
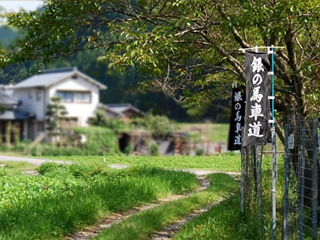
[[34, 161], [115, 218], [168, 232]]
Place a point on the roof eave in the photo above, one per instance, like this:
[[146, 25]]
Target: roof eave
[[90, 79]]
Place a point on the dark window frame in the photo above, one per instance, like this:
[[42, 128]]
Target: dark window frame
[[73, 94]]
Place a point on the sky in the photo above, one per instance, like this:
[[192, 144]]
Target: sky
[[17, 5]]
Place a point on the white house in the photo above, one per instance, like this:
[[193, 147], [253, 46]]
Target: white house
[[79, 93]]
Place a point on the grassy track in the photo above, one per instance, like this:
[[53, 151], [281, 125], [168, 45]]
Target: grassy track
[[67, 198], [14, 167], [142, 225], [223, 221]]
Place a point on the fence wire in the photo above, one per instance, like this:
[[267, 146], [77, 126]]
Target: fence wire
[[297, 183], [301, 179]]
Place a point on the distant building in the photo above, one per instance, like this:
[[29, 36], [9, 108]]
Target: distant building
[[79, 94], [121, 110], [11, 117], [25, 104]]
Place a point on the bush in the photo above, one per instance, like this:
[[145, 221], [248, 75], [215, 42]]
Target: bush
[[48, 167], [85, 170], [160, 126], [199, 152], [3, 172], [154, 149], [99, 141], [117, 124], [128, 149]]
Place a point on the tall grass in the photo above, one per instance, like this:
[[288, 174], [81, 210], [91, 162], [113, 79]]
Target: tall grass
[[226, 221], [69, 207], [140, 226]]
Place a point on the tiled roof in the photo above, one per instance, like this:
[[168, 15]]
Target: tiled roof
[[47, 78], [106, 108], [122, 107]]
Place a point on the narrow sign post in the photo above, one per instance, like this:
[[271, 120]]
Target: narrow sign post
[[256, 126], [274, 151]]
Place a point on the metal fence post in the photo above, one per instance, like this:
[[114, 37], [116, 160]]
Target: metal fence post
[[286, 184], [315, 180], [259, 193], [247, 174], [302, 181], [274, 183], [242, 179]]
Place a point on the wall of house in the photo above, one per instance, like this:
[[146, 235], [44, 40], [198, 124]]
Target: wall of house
[[81, 111], [33, 101]]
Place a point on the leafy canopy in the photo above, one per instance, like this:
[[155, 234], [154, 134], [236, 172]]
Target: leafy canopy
[[187, 48]]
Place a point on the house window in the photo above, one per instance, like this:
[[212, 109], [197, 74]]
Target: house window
[[82, 97], [77, 97], [65, 96], [30, 95]]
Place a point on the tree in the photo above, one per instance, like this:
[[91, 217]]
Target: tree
[[54, 117], [187, 48]]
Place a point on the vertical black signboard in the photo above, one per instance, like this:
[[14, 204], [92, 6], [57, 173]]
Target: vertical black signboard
[[256, 125], [237, 119]]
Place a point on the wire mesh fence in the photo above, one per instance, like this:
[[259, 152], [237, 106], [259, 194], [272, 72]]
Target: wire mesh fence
[[297, 183], [301, 179]]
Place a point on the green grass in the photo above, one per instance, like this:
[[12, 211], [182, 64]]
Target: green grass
[[222, 162], [15, 167], [220, 132], [142, 225], [224, 221], [214, 132], [67, 198]]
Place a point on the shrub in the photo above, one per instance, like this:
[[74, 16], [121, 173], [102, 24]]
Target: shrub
[[199, 152], [128, 149], [99, 141], [3, 172], [48, 167], [117, 124], [154, 149], [160, 126], [85, 170]]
